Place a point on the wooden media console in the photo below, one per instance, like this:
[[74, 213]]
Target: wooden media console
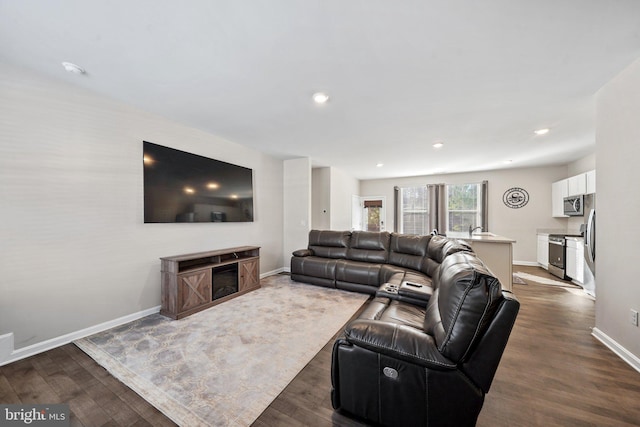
[[194, 282]]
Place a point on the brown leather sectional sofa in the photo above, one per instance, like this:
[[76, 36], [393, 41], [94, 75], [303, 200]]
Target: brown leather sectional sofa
[[363, 260], [425, 350]]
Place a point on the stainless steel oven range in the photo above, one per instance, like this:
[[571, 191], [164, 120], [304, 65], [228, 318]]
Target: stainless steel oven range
[[558, 254]]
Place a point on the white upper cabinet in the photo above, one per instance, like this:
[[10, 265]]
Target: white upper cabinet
[[585, 183], [559, 190], [577, 185], [591, 182]]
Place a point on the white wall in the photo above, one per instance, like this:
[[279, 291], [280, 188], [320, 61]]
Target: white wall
[[297, 205], [618, 208], [321, 198], [332, 192], [343, 188], [519, 224], [582, 165], [74, 250]]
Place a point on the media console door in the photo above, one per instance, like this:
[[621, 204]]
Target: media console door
[[187, 280], [249, 276], [195, 289]]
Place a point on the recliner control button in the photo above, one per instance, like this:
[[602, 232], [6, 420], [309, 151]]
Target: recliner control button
[[390, 372]]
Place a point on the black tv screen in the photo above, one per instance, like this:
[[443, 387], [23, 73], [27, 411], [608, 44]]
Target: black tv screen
[[185, 187]]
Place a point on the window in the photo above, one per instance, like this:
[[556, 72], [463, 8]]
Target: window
[[466, 207], [414, 215], [453, 207]]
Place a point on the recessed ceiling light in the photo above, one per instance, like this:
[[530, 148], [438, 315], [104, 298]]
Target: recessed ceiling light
[[541, 131], [213, 185], [379, 165], [320, 98], [73, 68], [438, 145], [189, 190]]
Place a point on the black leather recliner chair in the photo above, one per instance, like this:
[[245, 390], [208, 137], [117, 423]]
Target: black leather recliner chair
[[401, 364]]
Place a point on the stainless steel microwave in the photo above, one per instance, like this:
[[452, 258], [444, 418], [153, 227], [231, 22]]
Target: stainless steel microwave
[[573, 206]]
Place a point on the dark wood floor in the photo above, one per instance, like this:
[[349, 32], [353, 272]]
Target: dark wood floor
[[553, 373]]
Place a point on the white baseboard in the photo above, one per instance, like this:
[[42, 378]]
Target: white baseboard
[[272, 272], [529, 263], [8, 354], [622, 352], [6, 346]]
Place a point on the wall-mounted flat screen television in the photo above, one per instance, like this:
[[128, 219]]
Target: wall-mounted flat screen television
[[185, 187]]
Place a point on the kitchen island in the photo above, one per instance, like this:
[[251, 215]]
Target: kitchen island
[[495, 251]]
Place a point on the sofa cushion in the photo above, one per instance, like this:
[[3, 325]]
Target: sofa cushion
[[329, 244], [408, 250], [369, 246], [462, 305], [364, 273], [314, 266]]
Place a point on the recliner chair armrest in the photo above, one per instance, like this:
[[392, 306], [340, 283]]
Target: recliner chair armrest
[[303, 252], [397, 341]]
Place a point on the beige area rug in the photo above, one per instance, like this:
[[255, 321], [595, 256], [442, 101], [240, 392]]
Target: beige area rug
[[225, 365], [544, 280], [517, 280], [566, 286]]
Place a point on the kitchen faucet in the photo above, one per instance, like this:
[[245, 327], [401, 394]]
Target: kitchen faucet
[[471, 229]]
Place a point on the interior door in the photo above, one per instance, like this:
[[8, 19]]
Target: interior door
[[373, 214]]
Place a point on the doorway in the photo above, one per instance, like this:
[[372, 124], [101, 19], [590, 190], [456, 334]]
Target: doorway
[[368, 213]]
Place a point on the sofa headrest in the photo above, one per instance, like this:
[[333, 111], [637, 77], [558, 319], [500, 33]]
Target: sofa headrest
[[410, 244], [463, 304], [369, 246], [370, 240], [328, 243], [338, 239], [408, 250], [440, 247]]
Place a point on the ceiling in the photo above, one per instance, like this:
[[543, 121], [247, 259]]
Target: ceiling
[[401, 75]]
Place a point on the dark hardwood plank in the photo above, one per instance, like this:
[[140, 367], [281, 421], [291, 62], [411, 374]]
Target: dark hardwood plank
[[553, 372]]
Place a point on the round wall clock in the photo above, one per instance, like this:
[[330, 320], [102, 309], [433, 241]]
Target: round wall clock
[[515, 197]]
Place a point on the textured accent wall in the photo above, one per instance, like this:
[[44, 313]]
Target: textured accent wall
[[74, 251]]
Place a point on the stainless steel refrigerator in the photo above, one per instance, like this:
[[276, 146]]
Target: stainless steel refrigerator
[[589, 283]]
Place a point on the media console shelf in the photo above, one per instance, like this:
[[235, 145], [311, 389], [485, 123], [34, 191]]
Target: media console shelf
[[194, 282]]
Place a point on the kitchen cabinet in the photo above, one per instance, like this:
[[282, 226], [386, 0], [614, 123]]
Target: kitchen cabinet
[[575, 259], [543, 251], [591, 182], [577, 185], [559, 190]]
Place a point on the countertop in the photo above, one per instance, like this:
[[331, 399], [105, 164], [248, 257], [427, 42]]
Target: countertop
[[481, 237], [547, 231]]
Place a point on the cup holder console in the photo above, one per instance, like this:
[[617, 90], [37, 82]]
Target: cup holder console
[[390, 288]]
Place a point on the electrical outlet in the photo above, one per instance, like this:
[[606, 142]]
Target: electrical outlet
[[634, 317]]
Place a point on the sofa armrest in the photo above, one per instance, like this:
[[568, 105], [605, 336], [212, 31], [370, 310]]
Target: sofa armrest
[[397, 341], [303, 252]]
